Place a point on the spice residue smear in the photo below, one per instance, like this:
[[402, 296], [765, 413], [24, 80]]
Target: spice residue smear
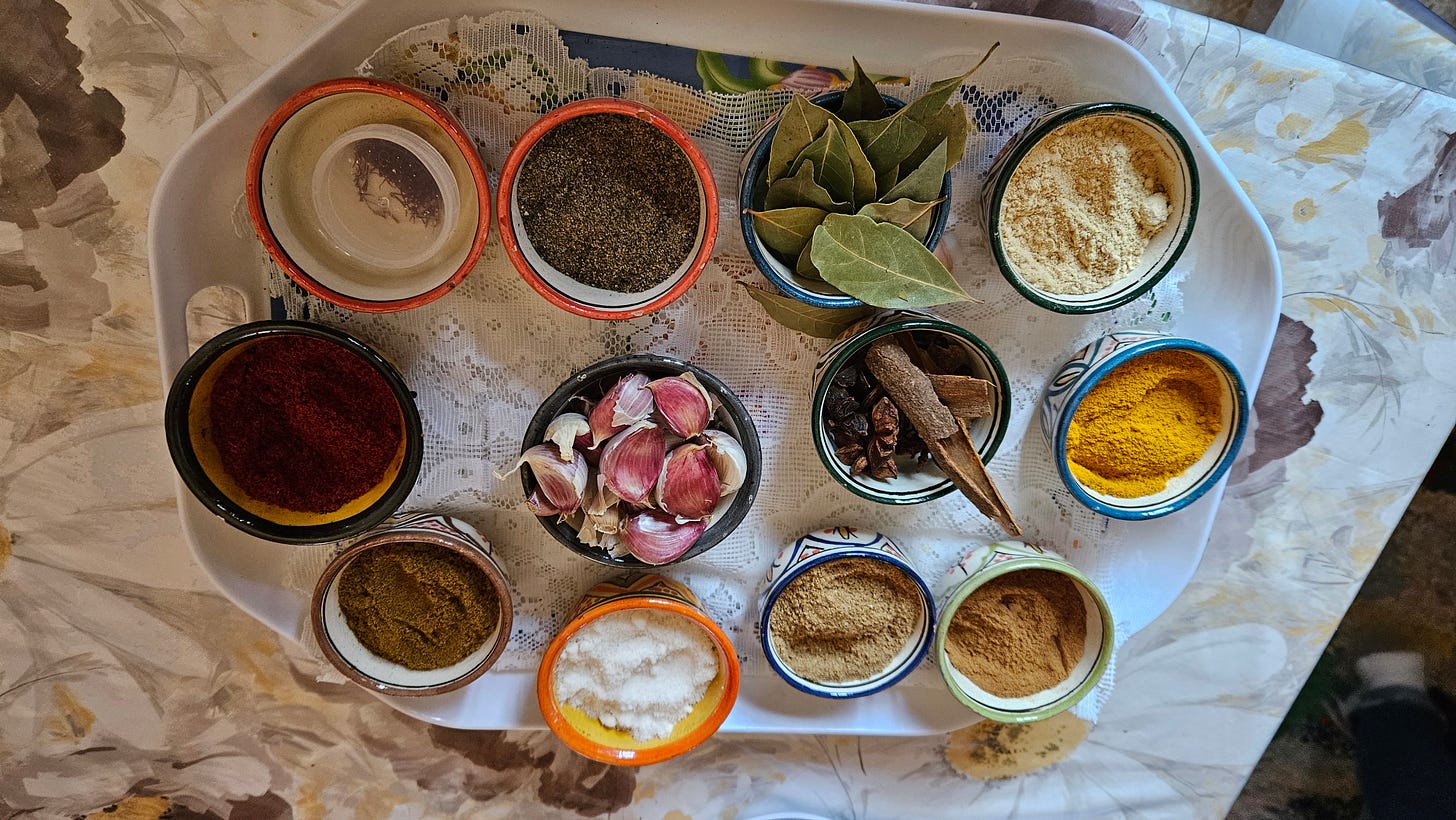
[[1020, 633], [394, 183], [844, 620], [303, 424], [418, 605], [610, 201]]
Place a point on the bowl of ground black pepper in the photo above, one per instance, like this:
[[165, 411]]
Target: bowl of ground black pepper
[[607, 209], [418, 607], [1023, 634], [844, 614], [1090, 206], [294, 432]]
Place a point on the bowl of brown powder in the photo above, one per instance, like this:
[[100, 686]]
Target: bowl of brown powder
[[1089, 206], [844, 614], [1027, 635], [419, 607]]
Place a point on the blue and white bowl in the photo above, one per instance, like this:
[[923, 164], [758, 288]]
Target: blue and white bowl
[[1087, 367], [817, 548]]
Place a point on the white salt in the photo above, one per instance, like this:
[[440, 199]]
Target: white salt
[[641, 672]]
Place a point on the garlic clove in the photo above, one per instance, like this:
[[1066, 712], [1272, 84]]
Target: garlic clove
[[682, 403], [632, 461], [562, 482], [688, 486], [536, 502], [728, 458], [599, 497], [564, 431], [628, 402], [656, 538]]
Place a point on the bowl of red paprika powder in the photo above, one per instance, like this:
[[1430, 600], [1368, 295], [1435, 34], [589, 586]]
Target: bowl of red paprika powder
[[294, 432]]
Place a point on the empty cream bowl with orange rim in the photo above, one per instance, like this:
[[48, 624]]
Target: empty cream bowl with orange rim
[[640, 633]]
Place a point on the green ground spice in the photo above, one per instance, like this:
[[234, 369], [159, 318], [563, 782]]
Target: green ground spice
[[610, 201], [418, 605]]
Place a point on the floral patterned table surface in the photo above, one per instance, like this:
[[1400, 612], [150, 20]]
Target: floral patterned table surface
[[129, 687]]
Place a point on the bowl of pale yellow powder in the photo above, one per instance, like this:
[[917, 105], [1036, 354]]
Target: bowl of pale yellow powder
[[1090, 206]]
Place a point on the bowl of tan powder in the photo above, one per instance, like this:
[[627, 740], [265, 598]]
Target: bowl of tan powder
[[1023, 634], [844, 614], [417, 607], [1090, 206]]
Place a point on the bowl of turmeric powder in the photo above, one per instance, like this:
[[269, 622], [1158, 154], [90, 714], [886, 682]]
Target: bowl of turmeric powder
[[1142, 424]]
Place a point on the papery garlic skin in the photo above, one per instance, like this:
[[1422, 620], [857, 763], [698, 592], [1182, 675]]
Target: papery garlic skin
[[682, 404], [562, 482], [628, 402], [655, 538], [728, 459], [688, 486], [564, 431], [632, 461]]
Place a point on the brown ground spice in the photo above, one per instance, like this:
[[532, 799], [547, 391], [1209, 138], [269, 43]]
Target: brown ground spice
[[844, 620], [1020, 633], [418, 605]]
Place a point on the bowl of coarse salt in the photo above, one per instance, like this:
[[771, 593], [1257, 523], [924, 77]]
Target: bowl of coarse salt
[[1090, 206], [640, 674]]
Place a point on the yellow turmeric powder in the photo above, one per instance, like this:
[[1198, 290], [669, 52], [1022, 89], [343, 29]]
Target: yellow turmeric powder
[[1145, 423]]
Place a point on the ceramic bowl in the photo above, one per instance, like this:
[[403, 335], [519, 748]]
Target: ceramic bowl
[[586, 735], [1072, 382], [339, 231], [1163, 250], [751, 172], [916, 483], [562, 290], [367, 669], [815, 549], [189, 440], [732, 417], [993, 561]]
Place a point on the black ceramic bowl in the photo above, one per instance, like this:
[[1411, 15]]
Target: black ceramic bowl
[[732, 417], [188, 425]]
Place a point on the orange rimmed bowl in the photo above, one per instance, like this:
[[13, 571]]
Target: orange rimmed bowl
[[349, 246], [564, 291], [586, 735]]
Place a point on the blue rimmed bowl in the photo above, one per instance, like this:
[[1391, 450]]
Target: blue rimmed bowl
[[808, 291], [1087, 367], [816, 549]]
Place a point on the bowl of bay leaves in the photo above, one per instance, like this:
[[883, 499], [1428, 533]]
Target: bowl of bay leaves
[[845, 196]]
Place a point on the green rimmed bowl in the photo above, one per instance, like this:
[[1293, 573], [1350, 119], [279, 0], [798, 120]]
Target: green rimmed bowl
[[1164, 249], [1002, 558], [916, 483]]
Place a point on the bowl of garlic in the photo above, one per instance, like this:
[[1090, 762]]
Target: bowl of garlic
[[640, 460]]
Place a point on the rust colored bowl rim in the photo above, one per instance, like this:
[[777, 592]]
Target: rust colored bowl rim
[[431, 108], [562, 728], [606, 105]]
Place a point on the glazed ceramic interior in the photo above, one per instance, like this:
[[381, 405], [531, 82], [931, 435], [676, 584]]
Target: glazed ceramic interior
[[287, 192]]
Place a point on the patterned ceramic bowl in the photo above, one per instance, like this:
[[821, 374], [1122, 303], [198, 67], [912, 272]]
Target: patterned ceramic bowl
[[564, 291], [751, 192], [356, 662], [994, 561], [1164, 248], [585, 734], [190, 440], [915, 483], [1071, 384], [815, 549]]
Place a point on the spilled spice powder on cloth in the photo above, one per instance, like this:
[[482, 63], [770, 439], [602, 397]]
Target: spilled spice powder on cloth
[[844, 620], [418, 605], [1019, 633]]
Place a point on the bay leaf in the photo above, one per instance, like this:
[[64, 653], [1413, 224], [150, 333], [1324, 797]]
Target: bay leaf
[[832, 167], [941, 91], [922, 183], [880, 264], [886, 179], [821, 323], [915, 217], [800, 190], [887, 142], [948, 124], [862, 100], [805, 265], [863, 172], [800, 123], [787, 230]]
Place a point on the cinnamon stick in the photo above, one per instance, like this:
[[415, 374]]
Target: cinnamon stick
[[967, 397]]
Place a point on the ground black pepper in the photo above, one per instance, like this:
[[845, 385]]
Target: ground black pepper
[[610, 201]]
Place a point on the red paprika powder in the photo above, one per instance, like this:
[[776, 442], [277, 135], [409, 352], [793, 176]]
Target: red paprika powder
[[304, 424]]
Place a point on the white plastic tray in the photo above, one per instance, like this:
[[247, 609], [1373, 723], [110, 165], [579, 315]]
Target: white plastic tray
[[194, 245]]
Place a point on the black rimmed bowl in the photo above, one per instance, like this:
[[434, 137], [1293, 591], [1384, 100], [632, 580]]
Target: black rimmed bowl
[[808, 291], [731, 417], [1180, 174], [189, 429]]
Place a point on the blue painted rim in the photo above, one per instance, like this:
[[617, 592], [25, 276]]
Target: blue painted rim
[[827, 690], [756, 159], [1096, 374]]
